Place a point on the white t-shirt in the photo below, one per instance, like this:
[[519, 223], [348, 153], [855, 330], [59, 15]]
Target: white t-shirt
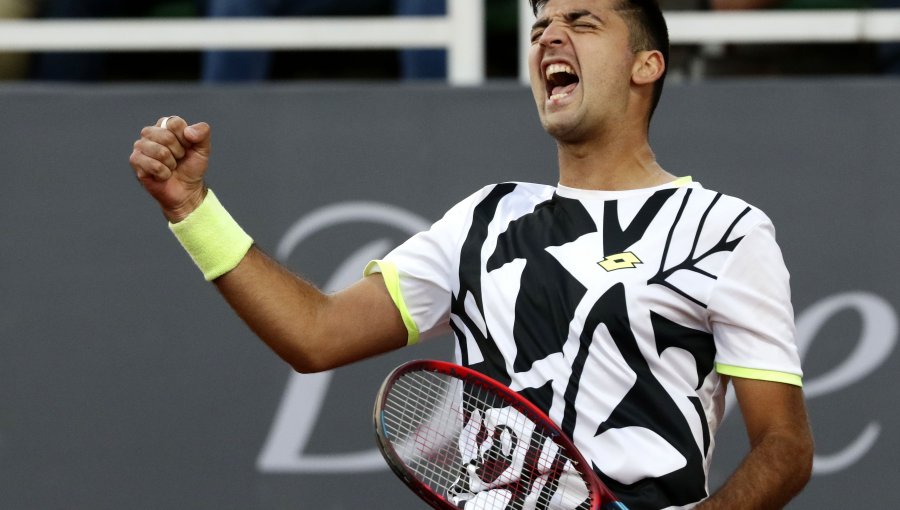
[[619, 313]]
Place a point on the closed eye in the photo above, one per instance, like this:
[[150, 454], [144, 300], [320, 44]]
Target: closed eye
[[581, 27], [584, 25], [580, 20]]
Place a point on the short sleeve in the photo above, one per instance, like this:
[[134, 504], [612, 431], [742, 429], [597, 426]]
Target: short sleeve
[[751, 313], [421, 273]]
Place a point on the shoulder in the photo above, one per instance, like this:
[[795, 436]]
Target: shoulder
[[727, 211]]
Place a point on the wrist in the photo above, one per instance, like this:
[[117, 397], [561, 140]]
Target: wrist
[[183, 210], [212, 238]]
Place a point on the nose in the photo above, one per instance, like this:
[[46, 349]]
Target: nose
[[553, 35]]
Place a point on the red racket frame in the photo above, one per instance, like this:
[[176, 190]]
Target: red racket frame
[[600, 494]]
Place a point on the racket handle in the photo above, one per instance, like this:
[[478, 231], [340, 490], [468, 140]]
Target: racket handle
[[614, 505]]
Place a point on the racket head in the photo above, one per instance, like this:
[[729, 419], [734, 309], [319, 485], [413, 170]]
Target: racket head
[[423, 409]]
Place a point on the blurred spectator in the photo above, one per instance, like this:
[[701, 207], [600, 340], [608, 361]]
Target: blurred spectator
[[92, 66], [254, 66], [501, 33], [889, 53], [15, 65], [422, 64], [237, 66]]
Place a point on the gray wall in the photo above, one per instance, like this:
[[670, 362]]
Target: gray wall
[[125, 382]]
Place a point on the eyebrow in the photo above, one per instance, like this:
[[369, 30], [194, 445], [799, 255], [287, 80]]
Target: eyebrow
[[570, 17]]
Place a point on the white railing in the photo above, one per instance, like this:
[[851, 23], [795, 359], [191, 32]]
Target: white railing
[[460, 32]]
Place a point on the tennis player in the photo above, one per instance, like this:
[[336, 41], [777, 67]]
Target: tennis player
[[624, 301]]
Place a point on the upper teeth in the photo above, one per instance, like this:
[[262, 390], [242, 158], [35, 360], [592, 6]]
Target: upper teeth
[[558, 68]]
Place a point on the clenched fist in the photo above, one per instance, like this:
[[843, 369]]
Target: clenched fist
[[170, 159]]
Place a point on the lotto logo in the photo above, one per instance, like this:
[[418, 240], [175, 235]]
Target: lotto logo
[[625, 260]]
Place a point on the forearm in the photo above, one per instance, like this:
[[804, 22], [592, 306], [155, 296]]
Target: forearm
[[278, 306], [310, 330], [774, 471]]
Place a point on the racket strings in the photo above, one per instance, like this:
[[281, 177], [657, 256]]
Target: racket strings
[[421, 421], [466, 443]]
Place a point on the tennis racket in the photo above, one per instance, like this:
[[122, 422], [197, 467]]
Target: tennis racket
[[459, 439]]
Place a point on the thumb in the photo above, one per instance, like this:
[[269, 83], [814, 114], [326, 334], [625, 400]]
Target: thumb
[[199, 136]]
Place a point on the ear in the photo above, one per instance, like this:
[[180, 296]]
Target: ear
[[648, 67]]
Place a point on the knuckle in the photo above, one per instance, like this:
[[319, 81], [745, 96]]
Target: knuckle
[[171, 138], [176, 149], [158, 168], [159, 152], [167, 165]]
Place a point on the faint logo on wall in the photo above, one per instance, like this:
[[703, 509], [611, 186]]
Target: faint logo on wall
[[876, 341]]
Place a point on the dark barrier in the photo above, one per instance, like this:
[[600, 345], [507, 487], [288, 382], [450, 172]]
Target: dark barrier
[[128, 383]]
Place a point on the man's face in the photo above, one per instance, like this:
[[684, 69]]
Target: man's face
[[580, 64]]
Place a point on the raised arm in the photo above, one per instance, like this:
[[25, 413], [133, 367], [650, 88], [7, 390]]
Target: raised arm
[[781, 449], [310, 330]]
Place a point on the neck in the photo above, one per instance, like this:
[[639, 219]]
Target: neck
[[615, 163]]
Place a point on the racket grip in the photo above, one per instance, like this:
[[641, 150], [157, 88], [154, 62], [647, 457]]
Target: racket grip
[[614, 505]]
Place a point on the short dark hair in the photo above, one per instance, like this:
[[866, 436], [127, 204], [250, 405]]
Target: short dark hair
[[648, 31]]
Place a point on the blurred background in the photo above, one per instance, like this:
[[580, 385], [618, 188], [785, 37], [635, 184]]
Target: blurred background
[[766, 38], [341, 128]]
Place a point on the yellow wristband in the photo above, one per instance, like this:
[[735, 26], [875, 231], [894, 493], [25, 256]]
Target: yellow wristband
[[212, 238]]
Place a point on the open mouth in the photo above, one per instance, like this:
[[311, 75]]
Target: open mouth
[[561, 81]]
